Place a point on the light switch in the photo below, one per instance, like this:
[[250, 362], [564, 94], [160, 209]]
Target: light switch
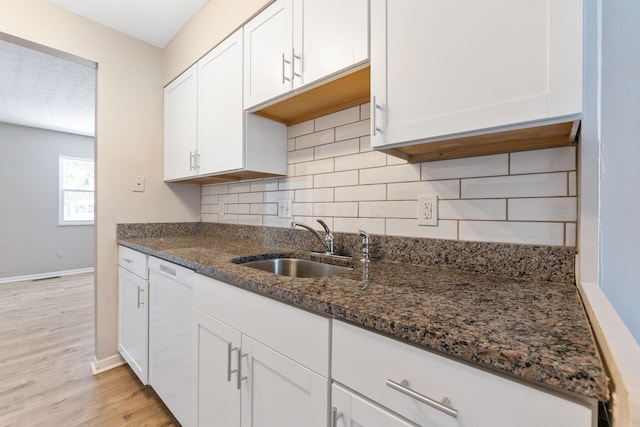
[[138, 184], [285, 206]]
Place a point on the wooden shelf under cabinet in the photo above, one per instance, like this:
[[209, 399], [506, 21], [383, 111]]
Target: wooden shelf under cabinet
[[334, 95], [532, 138]]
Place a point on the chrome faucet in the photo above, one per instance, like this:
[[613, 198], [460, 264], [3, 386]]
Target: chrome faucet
[[327, 240], [366, 240]]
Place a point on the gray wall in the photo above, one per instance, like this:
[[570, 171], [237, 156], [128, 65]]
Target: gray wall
[[30, 237], [620, 160]]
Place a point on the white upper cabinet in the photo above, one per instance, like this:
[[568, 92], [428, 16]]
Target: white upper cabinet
[[220, 112], [443, 69], [207, 131], [181, 126], [293, 43]]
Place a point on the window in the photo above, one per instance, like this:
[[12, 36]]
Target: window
[[76, 191]]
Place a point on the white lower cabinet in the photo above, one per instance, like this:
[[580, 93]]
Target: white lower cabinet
[[133, 311], [350, 410], [370, 364], [257, 362]]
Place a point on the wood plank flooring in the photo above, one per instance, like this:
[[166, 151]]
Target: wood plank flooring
[[46, 347]]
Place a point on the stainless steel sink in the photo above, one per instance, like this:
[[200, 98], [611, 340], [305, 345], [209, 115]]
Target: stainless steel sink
[[296, 267]]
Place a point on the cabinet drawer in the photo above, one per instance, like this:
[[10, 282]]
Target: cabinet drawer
[[297, 334], [364, 361], [134, 261]]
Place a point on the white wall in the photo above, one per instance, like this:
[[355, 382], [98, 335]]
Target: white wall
[[128, 136], [31, 241], [620, 160]]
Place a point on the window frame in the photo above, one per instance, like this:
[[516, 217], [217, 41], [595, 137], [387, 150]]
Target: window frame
[[62, 190]]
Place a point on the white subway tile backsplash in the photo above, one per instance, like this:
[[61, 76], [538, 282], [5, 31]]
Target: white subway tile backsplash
[[334, 174], [299, 156], [209, 200], [250, 219], [448, 189], [398, 173], [274, 196], [361, 193], [339, 209], [270, 184], [386, 209], [473, 209], [409, 227], [228, 198], [302, 209], [336, 179], [257, 197], [535, 233], [264, 209], [314, 195], [336, 149], [300, 129], [314, 167], [371, 159], [534, 185], [570, 234], [350, 115], [353, 225], [296, 182], [353, 130], [466, 168], [311, 140], [573, 184], [240, 187], [543, 209], [547, 160]]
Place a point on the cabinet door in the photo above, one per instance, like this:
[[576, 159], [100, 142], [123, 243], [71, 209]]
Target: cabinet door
[[268, 51], [216, 354], [181, 126], [457, 68], [279, 392], [350, 410], [334, 35], [220, 112], [133, 326]]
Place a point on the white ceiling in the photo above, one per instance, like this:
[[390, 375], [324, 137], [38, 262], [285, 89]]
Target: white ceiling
[[49, 91], [153, 21], [46, 91]]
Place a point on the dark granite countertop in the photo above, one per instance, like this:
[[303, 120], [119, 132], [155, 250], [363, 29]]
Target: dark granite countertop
[[535, 330]]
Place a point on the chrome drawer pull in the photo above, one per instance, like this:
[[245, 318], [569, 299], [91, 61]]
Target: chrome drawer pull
[[440, 406], [230, 350], [335, 416]]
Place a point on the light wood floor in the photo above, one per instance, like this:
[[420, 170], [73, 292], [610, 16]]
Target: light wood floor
[[46, 346]]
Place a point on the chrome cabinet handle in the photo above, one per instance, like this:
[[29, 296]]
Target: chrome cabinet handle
[[230, 350], [335, 416], [375, 109], [284, 61], [140, 301], [191, 158], [293, 64], [403, 387]]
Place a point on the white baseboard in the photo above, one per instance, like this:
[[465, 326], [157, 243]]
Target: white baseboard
[[45, 275], [102, 365]]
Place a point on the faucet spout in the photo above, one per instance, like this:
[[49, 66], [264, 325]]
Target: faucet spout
[[327, 240]]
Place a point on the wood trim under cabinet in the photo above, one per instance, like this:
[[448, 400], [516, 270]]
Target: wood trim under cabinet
[[533, 138]]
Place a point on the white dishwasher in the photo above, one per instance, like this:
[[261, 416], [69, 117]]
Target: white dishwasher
[[170, 306]]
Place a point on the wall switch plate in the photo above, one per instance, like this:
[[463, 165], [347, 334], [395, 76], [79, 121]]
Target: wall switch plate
[[138, 184], [285, 206], [428, 210], [221, 209]]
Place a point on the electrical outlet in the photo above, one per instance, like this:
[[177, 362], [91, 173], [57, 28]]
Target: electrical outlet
[[285, 206], [221, 209], [428, 210]]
